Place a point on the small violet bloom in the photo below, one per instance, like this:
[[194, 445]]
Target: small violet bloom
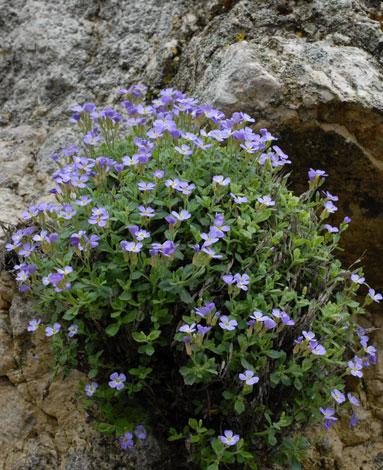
[[140, 432], [356, 367], [34, 324], [117, 381], [317, 349], [91, 388], [330, 208], [146, 211], [266, 200], [50, 331], [227, 324], [375, 297], [331, 229], [354, 401], [183, 215], [356, 279], [187, 328], [314, 173], [219, 179], [354, 420], [228, 438], [126, 440], [73, 329], [239, 199], [144, 186], [338, 396], [249, 378]]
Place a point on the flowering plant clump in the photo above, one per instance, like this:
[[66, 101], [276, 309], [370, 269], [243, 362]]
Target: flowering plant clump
[[200, 296]]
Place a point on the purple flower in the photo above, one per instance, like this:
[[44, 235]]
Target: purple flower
[[331, 229], [347, 220], [170, 220], [227, 324], [30, 213], [228, 278], [184, 149], [338, 396], [328, 414], [315, 173], [268, 323], [266, 200], [228, 438], [67, 270], [239, 199], [219, 179], [185, 188], [130, 161], [26, 250], [183, 215], [91, 388], [169, 248], [172, 184], [317, 349], [143, 186], [73, 329], [209, 239], [249, 378], [146, 211], [353, 400], [219, 135], [370, 350], [34, 324], [354, 420], [308, 335], [202, 330], [187, 328], [50, 331], [330, 196], [330, 208], [286, 319], [371, 293], [140, 432], [142, 234], [131, 246], [90, 139], [126, 440], [356, 279], [22, 276], [100, 216], [257, 316], [211, 253], [356, 367], [67, 212], [117, 381], [158, 174]]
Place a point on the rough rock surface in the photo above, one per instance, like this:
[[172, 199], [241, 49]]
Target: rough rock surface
[[309, 70]]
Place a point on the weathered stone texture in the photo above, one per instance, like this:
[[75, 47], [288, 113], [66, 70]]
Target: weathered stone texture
[[309, 70]]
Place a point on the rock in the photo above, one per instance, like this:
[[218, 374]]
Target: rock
[[310, 70]]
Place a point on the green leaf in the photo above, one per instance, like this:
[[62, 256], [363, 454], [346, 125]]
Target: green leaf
[[139, 336], [92, 373], [297, 384], [185, 296], [239, 406], [154, 335], [112, 329], [193, 423], [105, 427], [213, 466], [275, 354]]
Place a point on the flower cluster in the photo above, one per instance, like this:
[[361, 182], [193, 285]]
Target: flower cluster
[[176, 263]]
